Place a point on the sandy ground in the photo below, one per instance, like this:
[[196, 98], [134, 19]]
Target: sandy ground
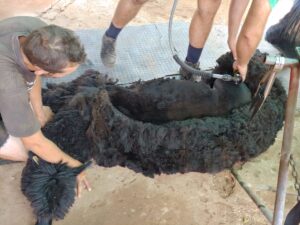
[[122, 197]]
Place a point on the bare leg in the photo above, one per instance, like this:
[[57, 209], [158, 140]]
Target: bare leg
[[13, 149], [126, 11], [200, 27], [202, 21]]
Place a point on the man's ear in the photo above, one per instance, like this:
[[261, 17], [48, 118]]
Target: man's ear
[[39, 71]]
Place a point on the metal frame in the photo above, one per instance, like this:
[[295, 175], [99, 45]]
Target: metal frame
[[294, 64]]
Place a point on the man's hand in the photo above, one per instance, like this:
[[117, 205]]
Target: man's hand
[[45, 115], [37, 143], [81, 180], [242, 69]]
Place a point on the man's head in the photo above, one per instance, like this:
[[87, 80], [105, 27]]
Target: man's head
[[53, 51]]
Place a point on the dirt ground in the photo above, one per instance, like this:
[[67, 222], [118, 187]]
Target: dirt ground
[[78, 14], [122, 197]]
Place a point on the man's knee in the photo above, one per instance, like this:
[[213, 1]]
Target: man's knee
[[13, 149], [209, 3], [139, 2], [208, 8], [3, 134]]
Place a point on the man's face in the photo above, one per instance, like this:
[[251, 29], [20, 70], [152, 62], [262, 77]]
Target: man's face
[[67, 70]]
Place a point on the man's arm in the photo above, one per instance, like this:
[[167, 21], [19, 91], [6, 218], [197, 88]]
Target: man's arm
[[43, 113], [50, 152], [251, 34], [47, 150], [35, 96], [236, 11]]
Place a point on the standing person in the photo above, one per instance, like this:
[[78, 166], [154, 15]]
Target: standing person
[[242, 45], [124, 13], [236, 12], [30, 49], [199, 30], [251, 33]]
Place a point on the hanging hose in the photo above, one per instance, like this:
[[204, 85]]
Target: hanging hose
[[226, 77], [174, 51]]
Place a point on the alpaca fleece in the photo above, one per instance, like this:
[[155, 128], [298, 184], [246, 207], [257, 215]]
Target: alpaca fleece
[[49, 187], [156, 126], [143, 128]]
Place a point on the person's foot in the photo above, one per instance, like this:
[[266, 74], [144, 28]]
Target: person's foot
[[108, 51], [186, 75]]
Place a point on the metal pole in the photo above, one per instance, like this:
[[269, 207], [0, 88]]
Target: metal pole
[[259, 203], [286, 145]]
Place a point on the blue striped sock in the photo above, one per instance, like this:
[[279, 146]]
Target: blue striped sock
[[113, 31], [193, 54]]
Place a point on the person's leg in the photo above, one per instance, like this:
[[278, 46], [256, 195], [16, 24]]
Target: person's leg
[[201, 25], [251, 34], [199, 30], [236, 11], [13, 149], [124, 13]]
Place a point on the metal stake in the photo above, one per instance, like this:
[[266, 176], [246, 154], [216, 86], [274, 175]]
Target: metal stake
[[286, 145]]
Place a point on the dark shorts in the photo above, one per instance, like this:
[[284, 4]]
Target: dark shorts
[[3, 134]]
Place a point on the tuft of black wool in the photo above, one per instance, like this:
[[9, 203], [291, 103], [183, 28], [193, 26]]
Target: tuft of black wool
[[211, 143], [72, 132], [58, 95], [49, 187]]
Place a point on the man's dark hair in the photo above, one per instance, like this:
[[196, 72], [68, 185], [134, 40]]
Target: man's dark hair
[[53, 47]]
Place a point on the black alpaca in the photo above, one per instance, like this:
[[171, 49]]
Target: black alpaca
[[103, 121], [141, 127]]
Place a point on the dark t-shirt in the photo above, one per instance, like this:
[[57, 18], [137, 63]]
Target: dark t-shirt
[[15, 79]]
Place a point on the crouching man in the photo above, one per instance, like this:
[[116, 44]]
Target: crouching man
[[30, 49]]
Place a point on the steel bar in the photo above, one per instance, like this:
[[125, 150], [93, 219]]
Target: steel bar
[[286, 146]]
